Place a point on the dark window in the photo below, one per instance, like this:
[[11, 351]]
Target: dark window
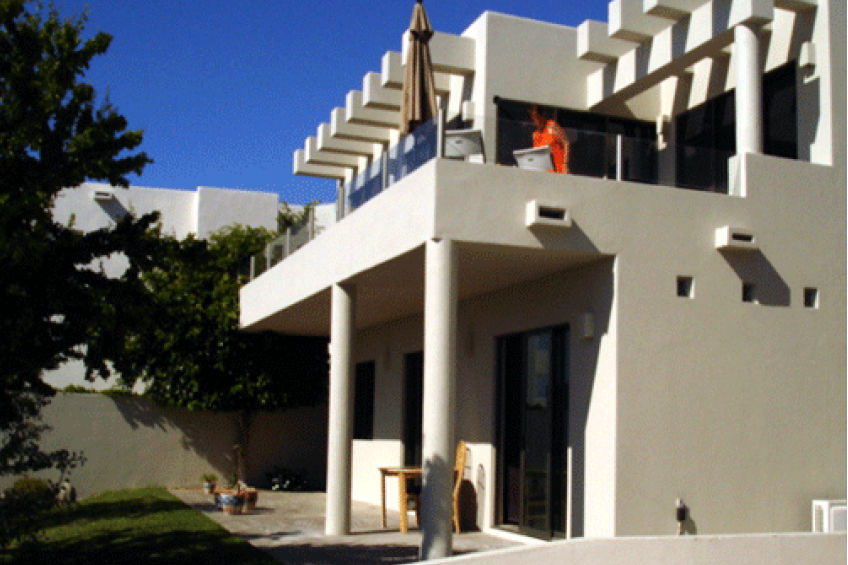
[[412, 414], [780, 113], [706, 135], [706, 139], [363, 424]]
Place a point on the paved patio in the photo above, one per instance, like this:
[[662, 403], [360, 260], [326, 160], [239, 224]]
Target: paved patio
[[290, 527]]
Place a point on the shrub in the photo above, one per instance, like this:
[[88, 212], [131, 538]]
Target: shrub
[[77, 389], [21, 509]]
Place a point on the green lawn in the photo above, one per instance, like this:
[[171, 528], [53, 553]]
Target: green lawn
[[137, 526]]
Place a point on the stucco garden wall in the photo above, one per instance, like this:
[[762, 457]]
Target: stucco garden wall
[[130, 442]]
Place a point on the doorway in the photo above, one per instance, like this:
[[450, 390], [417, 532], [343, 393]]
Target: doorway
[[413, 369], [533, 376]]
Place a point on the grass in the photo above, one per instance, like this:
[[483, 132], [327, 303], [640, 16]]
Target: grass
[[147, 525]]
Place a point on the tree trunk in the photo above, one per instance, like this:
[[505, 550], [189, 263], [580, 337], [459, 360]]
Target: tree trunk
[[243, 421]]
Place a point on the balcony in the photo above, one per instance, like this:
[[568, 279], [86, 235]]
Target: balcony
[[601, 155]]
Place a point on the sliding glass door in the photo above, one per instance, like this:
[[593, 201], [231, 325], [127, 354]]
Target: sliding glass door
[[534, 419]]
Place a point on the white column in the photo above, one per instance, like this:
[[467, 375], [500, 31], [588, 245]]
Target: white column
[[438, 452], [749, 97], [340, 430]]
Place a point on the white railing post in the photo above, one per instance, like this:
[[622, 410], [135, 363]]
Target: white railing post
[[619, 165], [288, 242], [440, 134], [268, 250], [385, 167], [341, 200]]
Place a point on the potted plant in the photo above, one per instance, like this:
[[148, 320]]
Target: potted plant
[[231, 502], [209, 480]]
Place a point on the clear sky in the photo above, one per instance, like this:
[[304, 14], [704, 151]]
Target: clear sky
[[226, 90]]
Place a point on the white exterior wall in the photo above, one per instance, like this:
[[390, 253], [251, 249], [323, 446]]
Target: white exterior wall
[[181, 212], [787, 549], [726, 403], [736, 407], [482, 320], [217, 208]]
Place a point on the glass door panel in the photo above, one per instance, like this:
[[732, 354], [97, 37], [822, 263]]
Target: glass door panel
[[537, 433], [534, 419]]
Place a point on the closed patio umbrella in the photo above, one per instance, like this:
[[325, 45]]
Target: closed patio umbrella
[[419, 90]]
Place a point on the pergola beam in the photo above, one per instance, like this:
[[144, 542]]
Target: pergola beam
[[314, 156], [376, 96], [300, 167], [706, 31], [627, 21], [450, 54], [595, 44], [326, 142], [671, 9], [391, 74], [341, 128], [356, 112]]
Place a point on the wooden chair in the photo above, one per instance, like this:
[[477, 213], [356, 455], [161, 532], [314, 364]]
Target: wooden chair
[[459, 473], [413, 495]]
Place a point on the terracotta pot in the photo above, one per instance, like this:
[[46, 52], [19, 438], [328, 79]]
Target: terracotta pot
[[250, 498]]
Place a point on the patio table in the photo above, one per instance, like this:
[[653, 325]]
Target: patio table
[[403, 474]]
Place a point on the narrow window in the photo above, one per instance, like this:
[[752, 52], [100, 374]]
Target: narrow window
[[363, 424], [811, 298], [749, 293], [685, 287]]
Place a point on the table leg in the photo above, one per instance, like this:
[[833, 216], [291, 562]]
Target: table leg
[[404, 520], [383, 496]]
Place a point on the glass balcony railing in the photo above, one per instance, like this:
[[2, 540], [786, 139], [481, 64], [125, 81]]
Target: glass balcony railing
[[614, 156], [284, 245], [402, 159]]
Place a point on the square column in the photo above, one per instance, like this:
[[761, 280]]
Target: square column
[[749, 90], [340, 429], [438, 451]]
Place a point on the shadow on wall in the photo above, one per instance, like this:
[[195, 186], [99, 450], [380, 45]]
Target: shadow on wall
[[583, 373], [467, 507], [767, 287], [292, 439], [131, 442]]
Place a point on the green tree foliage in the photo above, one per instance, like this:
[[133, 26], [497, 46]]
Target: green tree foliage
[[54, 296], [190, 351]]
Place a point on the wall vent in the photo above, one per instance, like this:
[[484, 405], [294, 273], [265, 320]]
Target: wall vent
[[829, 516], [541, 215], [736, 239], [102, 195]]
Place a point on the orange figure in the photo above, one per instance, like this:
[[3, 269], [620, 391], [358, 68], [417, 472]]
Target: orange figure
[[550, 133]]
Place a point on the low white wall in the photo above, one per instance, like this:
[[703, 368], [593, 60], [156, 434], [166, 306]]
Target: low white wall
[[783, 549], [130, 442]]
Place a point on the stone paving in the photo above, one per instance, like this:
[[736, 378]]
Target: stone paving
[[290, 527]]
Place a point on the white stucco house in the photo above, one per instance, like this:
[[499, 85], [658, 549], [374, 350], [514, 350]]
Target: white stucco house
[[202, 211], [667, 321]]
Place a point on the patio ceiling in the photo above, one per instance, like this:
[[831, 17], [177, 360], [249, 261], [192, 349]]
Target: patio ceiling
[[395, 289]]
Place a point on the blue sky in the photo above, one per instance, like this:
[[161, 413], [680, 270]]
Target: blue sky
[[226, 90]]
